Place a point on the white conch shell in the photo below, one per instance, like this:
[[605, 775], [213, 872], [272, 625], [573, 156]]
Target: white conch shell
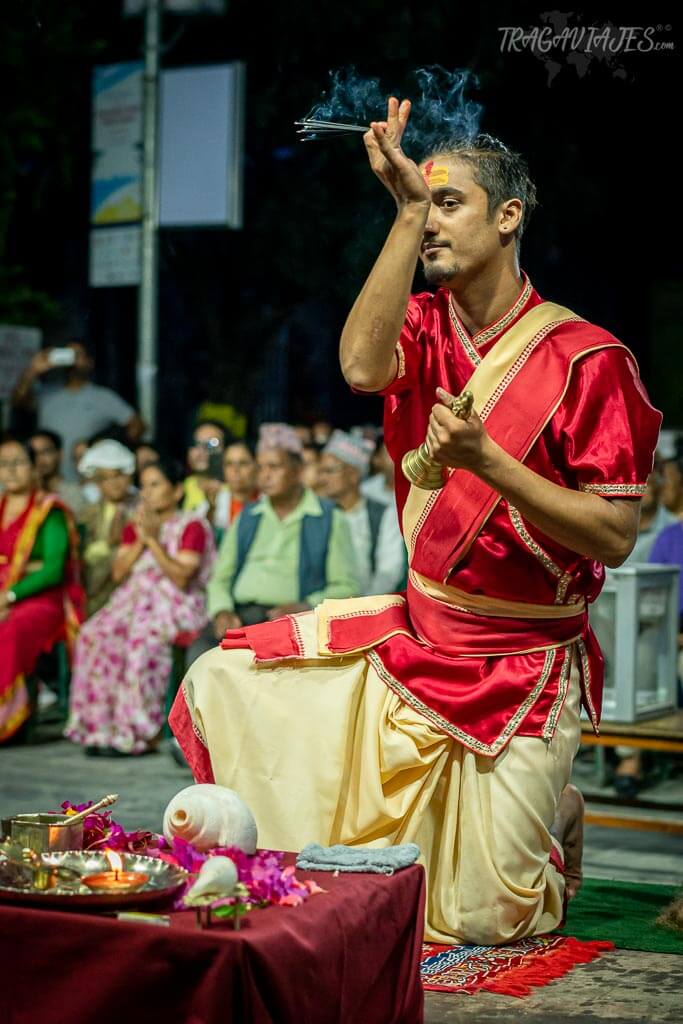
[[208, 816], [217, 877]]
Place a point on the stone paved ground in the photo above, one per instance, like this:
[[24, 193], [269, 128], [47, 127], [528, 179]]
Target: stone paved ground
[[620, 987], [623, 986]]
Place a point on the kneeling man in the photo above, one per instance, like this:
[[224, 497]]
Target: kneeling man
[[450, 716]]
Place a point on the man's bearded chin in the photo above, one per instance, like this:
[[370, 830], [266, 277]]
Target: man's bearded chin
[[440, 273]]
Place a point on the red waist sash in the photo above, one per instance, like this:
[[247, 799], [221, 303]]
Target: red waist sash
[[480, 678]]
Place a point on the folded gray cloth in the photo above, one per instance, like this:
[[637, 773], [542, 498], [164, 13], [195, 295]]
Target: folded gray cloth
[[357, 858]]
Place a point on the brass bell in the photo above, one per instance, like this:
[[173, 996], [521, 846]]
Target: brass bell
[[419, 467]]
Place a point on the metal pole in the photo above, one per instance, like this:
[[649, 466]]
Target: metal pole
[[149, 276]]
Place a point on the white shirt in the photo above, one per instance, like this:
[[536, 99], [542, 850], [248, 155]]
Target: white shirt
[[375, 487], [390, 554], [78, 413]]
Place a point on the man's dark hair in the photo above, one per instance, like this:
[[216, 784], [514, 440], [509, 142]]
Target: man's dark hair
[[502, 173], [54, 438], [312, 446]]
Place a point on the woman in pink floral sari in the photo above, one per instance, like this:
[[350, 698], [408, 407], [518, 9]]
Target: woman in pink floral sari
[[123, 654]]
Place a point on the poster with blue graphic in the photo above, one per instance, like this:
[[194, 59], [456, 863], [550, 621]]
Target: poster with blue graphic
[[116, 184]]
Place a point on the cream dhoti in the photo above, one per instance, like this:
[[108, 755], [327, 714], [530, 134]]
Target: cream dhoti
[[312, 725]]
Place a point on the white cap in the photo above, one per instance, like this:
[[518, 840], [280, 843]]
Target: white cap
[[355, 451], [279, 435], [107, 454]]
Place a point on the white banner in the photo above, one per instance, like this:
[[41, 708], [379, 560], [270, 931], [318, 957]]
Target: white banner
[[115, 256], [201, 145]]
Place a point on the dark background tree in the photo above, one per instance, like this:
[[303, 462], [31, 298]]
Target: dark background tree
[[253, 317]]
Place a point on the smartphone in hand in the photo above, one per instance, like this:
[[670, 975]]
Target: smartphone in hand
[[215, 466], [62, 357]]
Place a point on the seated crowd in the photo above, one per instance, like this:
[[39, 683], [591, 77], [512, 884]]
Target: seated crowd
[[139, 555]]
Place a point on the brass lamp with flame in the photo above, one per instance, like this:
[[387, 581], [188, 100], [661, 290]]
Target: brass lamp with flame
[[418, 465]]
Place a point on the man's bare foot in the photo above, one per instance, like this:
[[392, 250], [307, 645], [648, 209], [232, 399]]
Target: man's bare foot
[[628, 776], [568, 830], [629, 766]]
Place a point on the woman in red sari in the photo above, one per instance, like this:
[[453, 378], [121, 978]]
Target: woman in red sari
[[40, 600]]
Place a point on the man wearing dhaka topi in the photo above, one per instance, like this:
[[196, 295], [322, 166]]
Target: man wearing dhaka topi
[[449, 716]]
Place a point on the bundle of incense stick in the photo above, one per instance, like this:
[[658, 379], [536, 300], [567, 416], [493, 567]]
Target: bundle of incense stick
[[312, 130]]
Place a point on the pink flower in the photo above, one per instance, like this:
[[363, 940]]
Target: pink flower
[[313, 887], [184, 855], [290, 901]]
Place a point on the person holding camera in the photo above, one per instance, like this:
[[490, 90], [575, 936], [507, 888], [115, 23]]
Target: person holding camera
[[205, 463], [74, 408]]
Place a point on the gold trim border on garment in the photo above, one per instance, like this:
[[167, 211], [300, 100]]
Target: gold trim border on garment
[[478, 746], [463, 336], [563, 578], [195, 728], [500, 325], [586, 676], [562, 688], [357, 607], [499, 365], [614, 490], [471, 345], [401, 357], [481, 604]]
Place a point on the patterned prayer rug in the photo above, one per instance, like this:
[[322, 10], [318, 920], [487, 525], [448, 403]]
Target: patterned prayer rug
[[513, 970]]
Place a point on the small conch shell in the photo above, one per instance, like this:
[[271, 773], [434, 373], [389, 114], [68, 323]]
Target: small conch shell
[[217, 878], [208, 816]]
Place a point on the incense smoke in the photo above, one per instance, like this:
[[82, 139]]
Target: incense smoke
[[441, 106]]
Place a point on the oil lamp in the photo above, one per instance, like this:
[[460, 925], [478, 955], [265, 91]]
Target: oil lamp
[[115, 880]]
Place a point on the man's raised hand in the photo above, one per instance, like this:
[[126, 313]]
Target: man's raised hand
[[397, 172], [461, 444]]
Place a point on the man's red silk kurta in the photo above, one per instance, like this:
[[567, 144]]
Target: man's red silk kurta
[[601, 439], [482, 671]]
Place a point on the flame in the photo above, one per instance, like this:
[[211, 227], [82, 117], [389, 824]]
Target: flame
[[115, 861]]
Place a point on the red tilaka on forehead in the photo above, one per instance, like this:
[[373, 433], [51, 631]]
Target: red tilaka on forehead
[[428, 169]]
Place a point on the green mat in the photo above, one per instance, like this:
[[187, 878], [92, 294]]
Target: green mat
[[623, 913]]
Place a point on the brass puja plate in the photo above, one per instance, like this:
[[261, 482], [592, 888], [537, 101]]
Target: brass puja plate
[[68, 890]]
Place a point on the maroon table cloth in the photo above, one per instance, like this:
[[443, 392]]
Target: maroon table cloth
[[347, 956]]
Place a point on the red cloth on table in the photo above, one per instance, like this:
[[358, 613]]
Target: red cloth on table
[[193, 538], [347, 956]]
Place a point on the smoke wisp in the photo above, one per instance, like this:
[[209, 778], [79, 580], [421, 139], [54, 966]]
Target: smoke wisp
[[442, 106]]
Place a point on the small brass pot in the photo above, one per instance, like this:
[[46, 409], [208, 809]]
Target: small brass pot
[[46, 833]]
